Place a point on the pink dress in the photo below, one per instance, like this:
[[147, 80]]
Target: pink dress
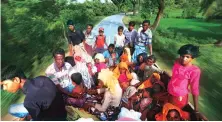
[[100, 66], [182, 78], [122, 78]]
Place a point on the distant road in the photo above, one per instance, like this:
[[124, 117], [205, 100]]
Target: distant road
[[110, 25]]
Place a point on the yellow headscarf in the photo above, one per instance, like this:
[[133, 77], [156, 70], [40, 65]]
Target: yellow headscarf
[[108, 79], [128, 53], [117, 71]]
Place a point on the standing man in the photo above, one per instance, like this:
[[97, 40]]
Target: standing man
[[130, 36], [90, 39], [74, 37], [144, 41], [43, 102]]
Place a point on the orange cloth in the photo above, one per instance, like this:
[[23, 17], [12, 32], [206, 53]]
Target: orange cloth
[[148, 83], [124, 58], [100, 41], [116, 71], [162, 116]]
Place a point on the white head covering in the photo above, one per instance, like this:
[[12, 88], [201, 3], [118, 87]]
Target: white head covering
[[100, 57]]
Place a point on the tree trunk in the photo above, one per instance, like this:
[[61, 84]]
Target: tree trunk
[[134, 9], [159, 15]]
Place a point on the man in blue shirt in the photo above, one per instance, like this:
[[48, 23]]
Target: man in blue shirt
[[130, 36], [144, 41]]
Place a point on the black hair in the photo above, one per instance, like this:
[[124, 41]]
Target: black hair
[[76, 78], [111, 46], [70, 60], [11, 72], [59, 51], [91, 25], [120, 28], [95, 78], [189, 49], [173, 110], [150, 90], [144, 55], [70, 22], [146, 21], [151, 57], [132, 23]]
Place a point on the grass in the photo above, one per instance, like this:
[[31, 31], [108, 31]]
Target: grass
[[37, 69], [175, 32]]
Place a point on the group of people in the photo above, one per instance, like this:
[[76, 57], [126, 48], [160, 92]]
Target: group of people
[[108, 82]]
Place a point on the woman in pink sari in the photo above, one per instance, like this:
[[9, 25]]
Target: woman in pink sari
[[185, 74]]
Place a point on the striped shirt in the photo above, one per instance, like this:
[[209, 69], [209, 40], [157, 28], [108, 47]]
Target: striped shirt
[[144, 38], [59, 77]]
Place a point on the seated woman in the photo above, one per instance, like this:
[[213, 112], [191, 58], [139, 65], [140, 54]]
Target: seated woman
[[149, 82], [172, 113], [81, 67], [99, 62], [121, 72], [140, 65], [159, 93], [140, 101], [78, 98], [126, 56], [112, 92]]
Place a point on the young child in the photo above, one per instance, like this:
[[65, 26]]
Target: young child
[[185, 74], [119, 40], [149, 68], [123, 75], [100, 41], [78, 98], [100, 62], [126, 56], [111, 56]]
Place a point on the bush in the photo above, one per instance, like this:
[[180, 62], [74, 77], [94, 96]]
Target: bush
[[190, 9]]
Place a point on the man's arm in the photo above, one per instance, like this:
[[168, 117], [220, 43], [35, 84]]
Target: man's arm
[[70, 50], [150, 49]]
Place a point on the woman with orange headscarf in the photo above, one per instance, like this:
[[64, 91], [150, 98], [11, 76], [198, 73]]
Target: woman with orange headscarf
[[149, 82], [172, 113], [122, 73]]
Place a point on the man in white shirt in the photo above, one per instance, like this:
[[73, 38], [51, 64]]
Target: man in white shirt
[[58, 72], [119, 40]]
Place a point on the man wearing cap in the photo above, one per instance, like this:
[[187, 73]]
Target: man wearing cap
[[75, 37]]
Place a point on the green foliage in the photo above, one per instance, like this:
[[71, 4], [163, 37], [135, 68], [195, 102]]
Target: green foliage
[[191, 9], [212, 9], [31, 30]]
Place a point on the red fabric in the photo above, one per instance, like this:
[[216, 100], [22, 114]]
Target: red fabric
[[100, 41], [89, 49], [180, 102]]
